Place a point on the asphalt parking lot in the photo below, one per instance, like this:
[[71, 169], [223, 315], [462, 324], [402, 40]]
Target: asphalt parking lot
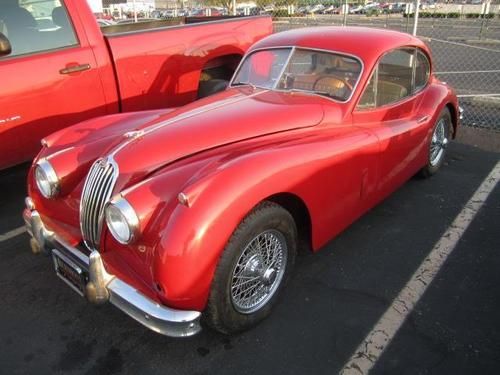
[[334, 299]]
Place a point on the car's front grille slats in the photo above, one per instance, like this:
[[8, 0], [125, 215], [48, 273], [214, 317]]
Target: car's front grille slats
[[96, 192]]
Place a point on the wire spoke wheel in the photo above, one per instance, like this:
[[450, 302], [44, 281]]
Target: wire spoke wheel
[[438, 143], [258, 271]]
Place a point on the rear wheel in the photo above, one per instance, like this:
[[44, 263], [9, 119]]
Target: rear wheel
[[439, 143], [253, 269]]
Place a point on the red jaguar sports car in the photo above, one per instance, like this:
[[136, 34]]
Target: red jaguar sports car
[[198, 212]]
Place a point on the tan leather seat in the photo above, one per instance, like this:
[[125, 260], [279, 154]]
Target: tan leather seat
[[389, 92]]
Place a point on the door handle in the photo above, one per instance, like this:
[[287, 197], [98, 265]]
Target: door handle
[[74, 69], [422, 119]]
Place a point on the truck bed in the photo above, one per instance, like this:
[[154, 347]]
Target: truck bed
[[159, 64], [149, 25]]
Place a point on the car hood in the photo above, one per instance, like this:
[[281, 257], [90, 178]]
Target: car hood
[[234, 115]]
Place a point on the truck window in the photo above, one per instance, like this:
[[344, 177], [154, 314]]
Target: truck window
[[36, 25]]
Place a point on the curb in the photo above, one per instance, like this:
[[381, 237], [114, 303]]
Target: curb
[[473, 41], [491, 101]]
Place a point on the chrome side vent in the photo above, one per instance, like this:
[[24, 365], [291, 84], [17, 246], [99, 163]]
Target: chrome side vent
[[96, 192]]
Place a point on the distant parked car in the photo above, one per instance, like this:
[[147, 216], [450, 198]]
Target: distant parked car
[[356, 10], [103, 23], [213, 12], [332, 10], [318, 8], [171, 214], [373, 11]]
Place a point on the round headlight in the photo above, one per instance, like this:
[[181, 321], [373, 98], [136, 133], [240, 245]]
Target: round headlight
[[46, 179], [122, 220]]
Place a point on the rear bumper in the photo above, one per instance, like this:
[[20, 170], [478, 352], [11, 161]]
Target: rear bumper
[[103, 287]]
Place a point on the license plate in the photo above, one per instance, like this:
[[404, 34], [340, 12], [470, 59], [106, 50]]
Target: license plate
[[69, 272]]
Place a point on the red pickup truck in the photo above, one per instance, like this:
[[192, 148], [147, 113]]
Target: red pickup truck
[[57, 67]]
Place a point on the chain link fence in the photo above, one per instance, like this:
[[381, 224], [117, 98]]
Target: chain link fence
[[464, 38]]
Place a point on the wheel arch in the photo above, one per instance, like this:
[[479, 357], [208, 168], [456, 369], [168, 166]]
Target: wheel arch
[[300, 213], [454, 117], [221, 67]]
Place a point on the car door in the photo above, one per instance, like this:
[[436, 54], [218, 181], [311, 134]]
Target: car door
[[389, 107], [48, 81]]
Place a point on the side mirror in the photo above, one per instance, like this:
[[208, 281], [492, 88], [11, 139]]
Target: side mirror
[[5, 47]]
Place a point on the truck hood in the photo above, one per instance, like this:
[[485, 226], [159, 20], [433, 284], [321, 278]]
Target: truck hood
[[234, 115]]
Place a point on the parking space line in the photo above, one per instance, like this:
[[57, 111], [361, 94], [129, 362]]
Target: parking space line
[[11, 234], [374, 344]]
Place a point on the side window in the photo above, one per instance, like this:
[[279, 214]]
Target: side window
[[422, 70], [395, 72], [36, 25], [398, 74]]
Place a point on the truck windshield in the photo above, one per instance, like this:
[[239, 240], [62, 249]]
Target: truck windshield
[[294, 69]]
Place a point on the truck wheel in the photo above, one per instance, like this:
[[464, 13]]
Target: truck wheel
[[253, 269], [439, 142], [213, 86]]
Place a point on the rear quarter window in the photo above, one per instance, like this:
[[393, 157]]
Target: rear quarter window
[[422, 70]]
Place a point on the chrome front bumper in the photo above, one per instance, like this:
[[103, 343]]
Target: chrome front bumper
[[103, 287]]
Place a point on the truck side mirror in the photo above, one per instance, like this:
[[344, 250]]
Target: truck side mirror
[[5, 47]]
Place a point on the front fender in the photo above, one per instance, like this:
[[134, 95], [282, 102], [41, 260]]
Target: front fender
[[195, 236]]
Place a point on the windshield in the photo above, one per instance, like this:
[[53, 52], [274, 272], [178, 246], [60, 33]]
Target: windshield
[[323, 73]]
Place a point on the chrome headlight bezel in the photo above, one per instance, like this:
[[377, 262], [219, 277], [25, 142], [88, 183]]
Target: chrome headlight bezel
[[49, 187], [119, 211]]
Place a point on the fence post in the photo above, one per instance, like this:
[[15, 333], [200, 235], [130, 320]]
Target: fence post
[[345, 10], [408, 10], [234, 7], [485, 9], [135, 11], [415, 21]]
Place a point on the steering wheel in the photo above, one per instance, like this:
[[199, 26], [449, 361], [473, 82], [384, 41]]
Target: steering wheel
[[334, 83]]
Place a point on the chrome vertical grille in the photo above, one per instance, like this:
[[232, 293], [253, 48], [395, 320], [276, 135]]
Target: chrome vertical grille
[[97, 191]]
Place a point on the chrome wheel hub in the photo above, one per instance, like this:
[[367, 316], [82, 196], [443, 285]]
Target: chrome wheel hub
[[258, 271], [256, 267], [439, 143]]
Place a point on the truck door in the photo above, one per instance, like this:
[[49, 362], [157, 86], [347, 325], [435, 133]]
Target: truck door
[[48, 81]]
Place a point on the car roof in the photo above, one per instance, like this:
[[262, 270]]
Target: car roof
[[366, 43]]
